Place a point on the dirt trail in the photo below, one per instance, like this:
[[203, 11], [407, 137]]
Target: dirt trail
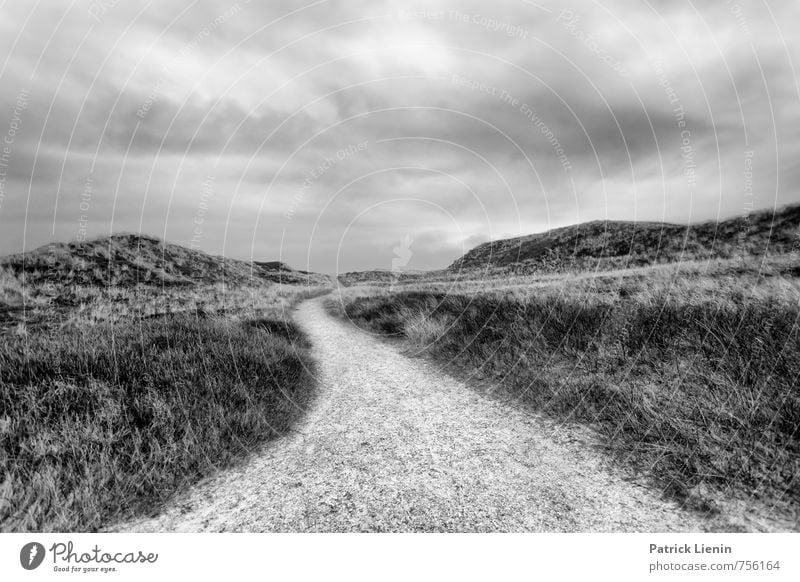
[[392, 444]]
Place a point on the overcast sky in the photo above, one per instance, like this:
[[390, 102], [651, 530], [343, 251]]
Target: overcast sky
[[340, 136]]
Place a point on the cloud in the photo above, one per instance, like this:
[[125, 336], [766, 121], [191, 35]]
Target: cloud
[[476, 121]]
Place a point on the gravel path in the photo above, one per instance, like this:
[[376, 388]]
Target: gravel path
[[392, 444]]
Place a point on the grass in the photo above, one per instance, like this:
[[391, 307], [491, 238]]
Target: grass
[[114, 398], [691, 379], [100, 424]]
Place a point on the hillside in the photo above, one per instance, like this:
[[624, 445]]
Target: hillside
[[379, 276], [130, 259], [619, 244]]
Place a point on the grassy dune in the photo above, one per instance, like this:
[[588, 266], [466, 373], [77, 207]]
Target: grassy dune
[[690, 375], [124, 260], [603, 245], [113, 398]]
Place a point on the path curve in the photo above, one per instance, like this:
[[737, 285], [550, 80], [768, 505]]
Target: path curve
[[392, 444]]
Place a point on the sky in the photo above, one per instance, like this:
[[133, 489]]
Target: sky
[[344, 135]]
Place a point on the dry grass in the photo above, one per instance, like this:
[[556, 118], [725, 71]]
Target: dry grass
[[101, 423]]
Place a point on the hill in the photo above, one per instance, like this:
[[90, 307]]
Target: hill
[[133, 259], [620, 244], [380, 276]]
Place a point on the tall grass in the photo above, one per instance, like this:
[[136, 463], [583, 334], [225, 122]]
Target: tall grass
[[100, 423], [701, 395]]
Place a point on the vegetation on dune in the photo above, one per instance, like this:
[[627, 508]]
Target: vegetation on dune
[[101, 423], [127, 376], [133, 259], [695, 386], [618, 244]]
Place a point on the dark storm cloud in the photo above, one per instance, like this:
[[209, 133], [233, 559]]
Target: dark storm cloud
[[337, 129]]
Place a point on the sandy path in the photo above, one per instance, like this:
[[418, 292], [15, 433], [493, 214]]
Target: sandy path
[[394, 445]]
